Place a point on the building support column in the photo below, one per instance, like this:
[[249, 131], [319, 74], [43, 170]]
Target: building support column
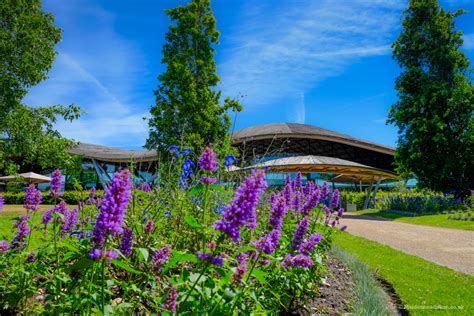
[[369, 190], [372, 200]]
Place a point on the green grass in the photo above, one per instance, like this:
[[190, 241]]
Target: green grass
[[438, 220], [420, 284], [369, 297], [9, 216]]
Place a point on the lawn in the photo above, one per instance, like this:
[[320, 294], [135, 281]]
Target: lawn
[[425, 288], [438, 220]]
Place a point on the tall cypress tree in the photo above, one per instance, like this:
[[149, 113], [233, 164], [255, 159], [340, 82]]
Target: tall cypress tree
[[188, 109], [436, 100]]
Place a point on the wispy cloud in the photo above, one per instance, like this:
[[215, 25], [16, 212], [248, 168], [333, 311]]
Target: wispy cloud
[[292, 48], [99, 70], [298, 113]]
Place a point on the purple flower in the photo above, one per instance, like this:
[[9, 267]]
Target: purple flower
[[309, 188], [93, 199], [340, 212], [268, 243], [343, 228], [149, 226], [23, 230], [296, 203], [324, 191], [209, 258], [207, 161], [56, 184], [33, 198], [144, 186], [335, 199], [126, 244], [288, 191], [277, 211], [208, 181], [31, 258], [308, 247], [112, 209], [3, 246], [311, 202], [110, 255], [70, 220], [300, 260], [242, 209], [240, 271], [298, 184], [95, 254], [162, 255], [2, 202], [300, 232], [170, 300], [229, 161]]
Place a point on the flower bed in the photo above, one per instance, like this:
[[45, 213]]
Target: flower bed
[[189, 245]]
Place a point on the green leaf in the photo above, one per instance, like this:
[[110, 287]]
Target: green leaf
[[259, 275], [191, 221], [143, 254], [179, 257], [125, 266], [81, 265]]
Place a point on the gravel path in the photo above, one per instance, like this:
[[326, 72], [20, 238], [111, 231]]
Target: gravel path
[[453, 248]]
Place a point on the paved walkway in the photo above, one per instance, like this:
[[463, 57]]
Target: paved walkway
[[453, 248]]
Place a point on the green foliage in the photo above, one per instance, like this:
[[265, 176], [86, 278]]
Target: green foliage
[[28, 139], [188, 110], [71, 197], [436, 100]]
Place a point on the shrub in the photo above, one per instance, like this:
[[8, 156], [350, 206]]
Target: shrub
[[189, 245], [71, 197], [423, 203]]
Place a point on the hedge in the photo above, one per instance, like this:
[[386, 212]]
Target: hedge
[[70, 197]]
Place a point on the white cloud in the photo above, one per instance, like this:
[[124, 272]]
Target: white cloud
[[290, 49], [298, 112]]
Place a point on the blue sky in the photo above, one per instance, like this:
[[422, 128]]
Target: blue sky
[[326, 63]]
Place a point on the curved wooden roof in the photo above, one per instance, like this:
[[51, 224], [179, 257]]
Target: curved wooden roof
[[293, 130], [110, 154], [289, 139], [321, 164]]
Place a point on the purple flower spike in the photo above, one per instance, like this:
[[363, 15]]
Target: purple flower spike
[[240, 271], [343, 228], [3, 246], [311, 202], [209, 258], [2, 202], [161, 256], [170, 300], [299, 260], [242, 209], [335, 199], [95, 254], [298, 184], [112, 209], [144, 186], [268, 243], [31, 258], [278, 210], [126, 245], [149, 226], [288, 191], [308, 247], [23, 230], [300, 231], [33, 198], [56, 184], [324, 191], [207, 161], [208, 181]]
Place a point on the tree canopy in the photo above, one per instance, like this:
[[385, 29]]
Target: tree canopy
[[28, 139], [436, 100], [188, 108]]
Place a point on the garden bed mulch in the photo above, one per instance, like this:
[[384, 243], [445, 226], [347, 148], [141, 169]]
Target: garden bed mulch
[[335, 294]]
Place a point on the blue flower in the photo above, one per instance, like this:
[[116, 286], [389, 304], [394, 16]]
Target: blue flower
[[229, 161], [187, 152], [168, 213], [174, 149]]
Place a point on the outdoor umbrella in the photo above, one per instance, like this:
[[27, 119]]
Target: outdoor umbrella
[[29, 177]]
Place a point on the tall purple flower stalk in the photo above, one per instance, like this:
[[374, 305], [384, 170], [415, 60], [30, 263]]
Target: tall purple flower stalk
[[56, 184], [335, 199], [308, 246], [33, 198], [298, 184], [278, 210], [207, 257], [170, 300], [242, 209], [288, 191], [268, 243], [300, 260], [126, 244], [300, 232], [324, 191], [70, 220], [23, 230], [311, 201], [2, 202], [240, 271], [207, 161], [162, 255], [112, 208]]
